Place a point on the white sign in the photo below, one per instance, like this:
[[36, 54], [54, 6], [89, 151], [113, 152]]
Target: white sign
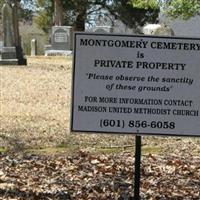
[[136, 84]]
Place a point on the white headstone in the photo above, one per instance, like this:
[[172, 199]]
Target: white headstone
[[61, 41], [33, 47], [103, 29], [157, 29]]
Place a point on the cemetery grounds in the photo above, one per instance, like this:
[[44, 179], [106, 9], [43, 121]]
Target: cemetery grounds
[[41, 159]]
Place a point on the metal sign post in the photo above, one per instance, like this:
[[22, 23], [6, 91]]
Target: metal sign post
[[137, 167]]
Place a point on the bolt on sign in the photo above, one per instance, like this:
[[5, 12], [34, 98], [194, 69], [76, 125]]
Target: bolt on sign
[[136, 84]]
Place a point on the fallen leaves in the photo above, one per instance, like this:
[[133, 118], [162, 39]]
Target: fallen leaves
[[173, 178], [90, 176]]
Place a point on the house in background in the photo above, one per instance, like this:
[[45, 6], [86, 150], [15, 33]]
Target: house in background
[[189, 28]]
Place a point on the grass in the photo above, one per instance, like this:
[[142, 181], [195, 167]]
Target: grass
[[47, 150], [71, 149], [151, 150], [2, 149], [60, 149]]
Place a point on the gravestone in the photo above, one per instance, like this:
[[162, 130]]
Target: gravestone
[[61, 41], [165, 31], [103, 29], [11, 52], [8, 53], [8, 32], [33, 47], [1, 45], [157, 29], [150, 29]]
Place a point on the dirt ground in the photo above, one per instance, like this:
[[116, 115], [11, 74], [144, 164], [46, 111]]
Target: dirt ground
[[35, 111]]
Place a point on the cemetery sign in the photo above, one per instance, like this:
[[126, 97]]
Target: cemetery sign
[[136, 84]]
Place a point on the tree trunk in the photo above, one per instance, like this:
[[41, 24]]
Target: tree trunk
[[79, 24], [58, 13]]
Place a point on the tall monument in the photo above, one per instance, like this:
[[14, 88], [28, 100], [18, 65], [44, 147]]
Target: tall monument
[[11, 53]]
